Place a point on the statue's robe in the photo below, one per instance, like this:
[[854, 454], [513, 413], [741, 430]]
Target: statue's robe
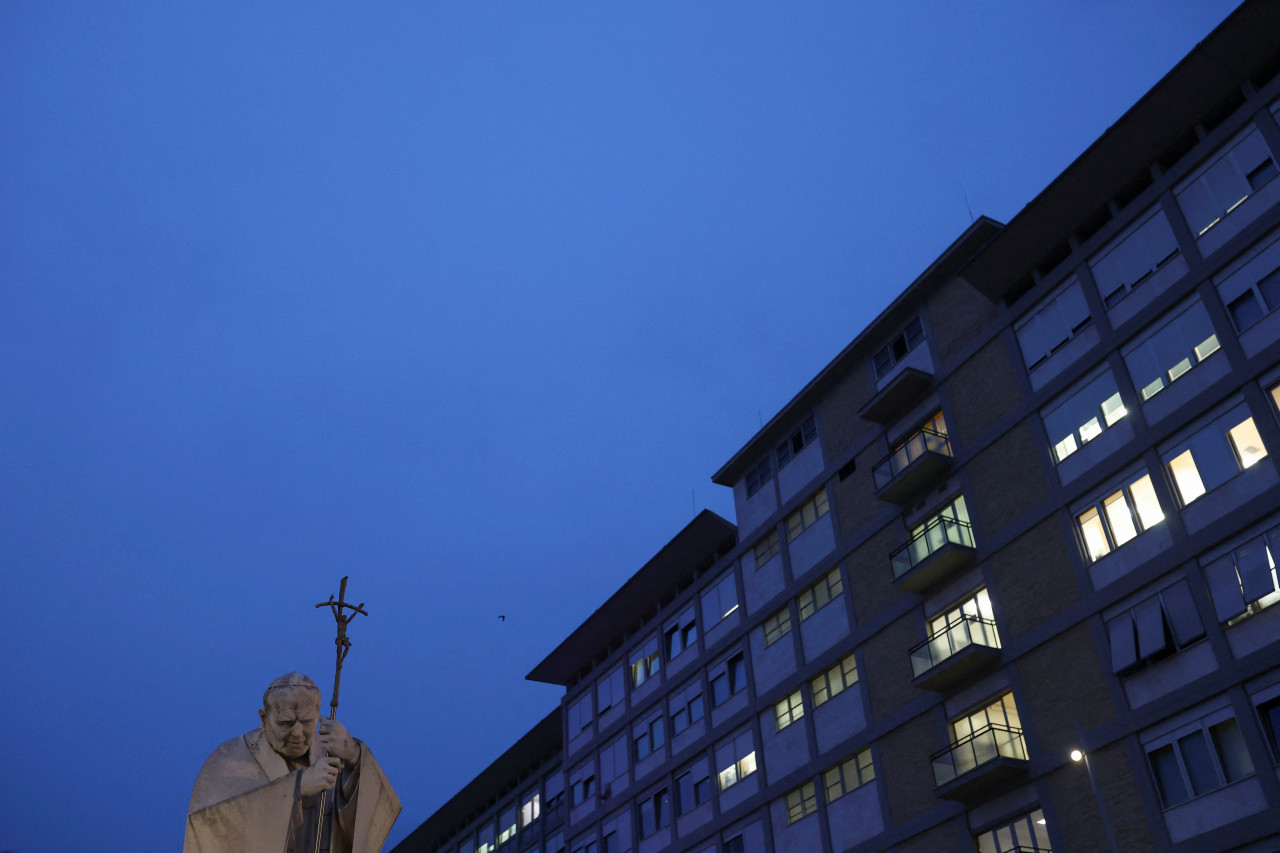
[[245, 802]]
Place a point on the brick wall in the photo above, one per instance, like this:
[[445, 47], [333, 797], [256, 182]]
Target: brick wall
[[908, 777], [1013, 458], [982, 390], [957, 312], [1033, 579]]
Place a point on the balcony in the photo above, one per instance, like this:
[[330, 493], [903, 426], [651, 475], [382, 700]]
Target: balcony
[[923, 458], [989, 759], [906, 388], [959, 651], [942, 547]]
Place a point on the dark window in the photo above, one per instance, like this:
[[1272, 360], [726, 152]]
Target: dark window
[[1269, 713], [1245, 310], [758, 476], [797, 441]]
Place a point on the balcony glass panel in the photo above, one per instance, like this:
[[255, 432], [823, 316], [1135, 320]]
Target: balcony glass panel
[[955, 636], [981, 747], [925, 441], [941, 530]]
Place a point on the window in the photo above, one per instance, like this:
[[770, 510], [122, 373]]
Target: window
[[686, 707], [589, 847], [893, 352], [1243, 581], [1160, 626], [768, 547], [580, 715], [1250, 288], [950, 525], [735, 845], [693, 788], [1051, 326], [1133, 257], [729, 680], [807, 515], [720, 600], [801, 802], [613, 759], [610, 691], [555, 844], [1027, 834], [1199, 758], [1269, 716], [1172, 350], [1113, 520], [530, 808], [931, 437], [736, 759], [582, 785], [649, 736], [484, 840], [790, 709], [655, 812], [850, 774], [777, 626], [758, 476], [609, 844], [980, 737], [683, 634], [971, 621], [554, 789], [820, 594], [1214, 454], [832, 683], [645, 662], [507, 825], [797, 441], [1083, 415], [1236, 172]]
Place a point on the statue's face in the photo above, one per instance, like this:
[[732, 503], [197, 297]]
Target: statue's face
[[289, 721]]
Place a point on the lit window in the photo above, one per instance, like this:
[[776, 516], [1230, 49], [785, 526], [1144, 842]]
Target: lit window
[[1083, 415], [831, 683], [1236, 171], [893, 352], [484, 840], [530, 808], [1050, 326], [645, 662], [949, 526], [507, 825], [736, 759], [1243, 581], [1154, 629], [982, 736], [820, 594], [971, 621], [1171, 351], [1133, 257], [720, 600], [931, 437], [1118, 517], [807, 515], [758, 476], [1027, 834], [803, 436], [790, 709], [777, 626], [849, 775], [1214, 454], [769, 546], [801, 802], [1198, 758]]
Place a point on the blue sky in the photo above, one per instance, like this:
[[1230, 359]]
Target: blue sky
[[465, 300]]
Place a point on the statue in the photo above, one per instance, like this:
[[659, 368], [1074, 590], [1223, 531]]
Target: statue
[[297, 783]]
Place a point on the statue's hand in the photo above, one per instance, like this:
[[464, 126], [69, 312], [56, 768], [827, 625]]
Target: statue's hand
[[320, 776], [336, 741]]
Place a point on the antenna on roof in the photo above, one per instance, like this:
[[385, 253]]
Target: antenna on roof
[[966, 202]]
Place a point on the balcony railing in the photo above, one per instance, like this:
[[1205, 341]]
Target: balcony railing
[[968, 631], [987, 744], [922, 442], [939, 532]]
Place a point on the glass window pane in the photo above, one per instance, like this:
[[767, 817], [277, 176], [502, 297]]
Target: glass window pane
[[1231, 750], [1195, 754], [1168, 778], [1095, 537], [1248, 444], [1145, 502], [1186, 477], [1120, 518]]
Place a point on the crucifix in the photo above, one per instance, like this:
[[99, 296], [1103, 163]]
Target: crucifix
[[343, 644]]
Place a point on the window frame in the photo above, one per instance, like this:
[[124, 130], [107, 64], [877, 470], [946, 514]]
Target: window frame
[[1130, 494], [821, 685], [805, 516], [799, 438], [910, 336], [769, 545], [1185, 323], [758, 476], [777, 626], [789, 710], [819, 594], [801, 801], [1156, 627], [848, 775], [1173, 741]]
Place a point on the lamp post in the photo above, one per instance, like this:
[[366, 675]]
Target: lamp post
[[1078, 755]]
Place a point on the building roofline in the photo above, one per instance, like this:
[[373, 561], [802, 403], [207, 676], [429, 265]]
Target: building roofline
[[961, 251], [539, 745], [1239, 48], [700, 543]]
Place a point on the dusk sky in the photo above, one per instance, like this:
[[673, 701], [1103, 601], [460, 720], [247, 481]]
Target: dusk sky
[[466, 300]]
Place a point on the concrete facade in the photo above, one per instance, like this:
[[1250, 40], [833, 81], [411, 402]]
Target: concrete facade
[[910, 630]]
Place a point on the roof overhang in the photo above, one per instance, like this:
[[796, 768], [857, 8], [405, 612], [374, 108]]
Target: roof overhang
[[1230, 55], [960, 252], [701, 541]]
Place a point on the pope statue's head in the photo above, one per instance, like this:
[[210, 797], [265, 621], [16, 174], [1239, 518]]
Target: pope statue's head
[[289, 713]]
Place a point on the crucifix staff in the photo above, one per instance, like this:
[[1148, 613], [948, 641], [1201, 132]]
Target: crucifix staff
[[342, 642]]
